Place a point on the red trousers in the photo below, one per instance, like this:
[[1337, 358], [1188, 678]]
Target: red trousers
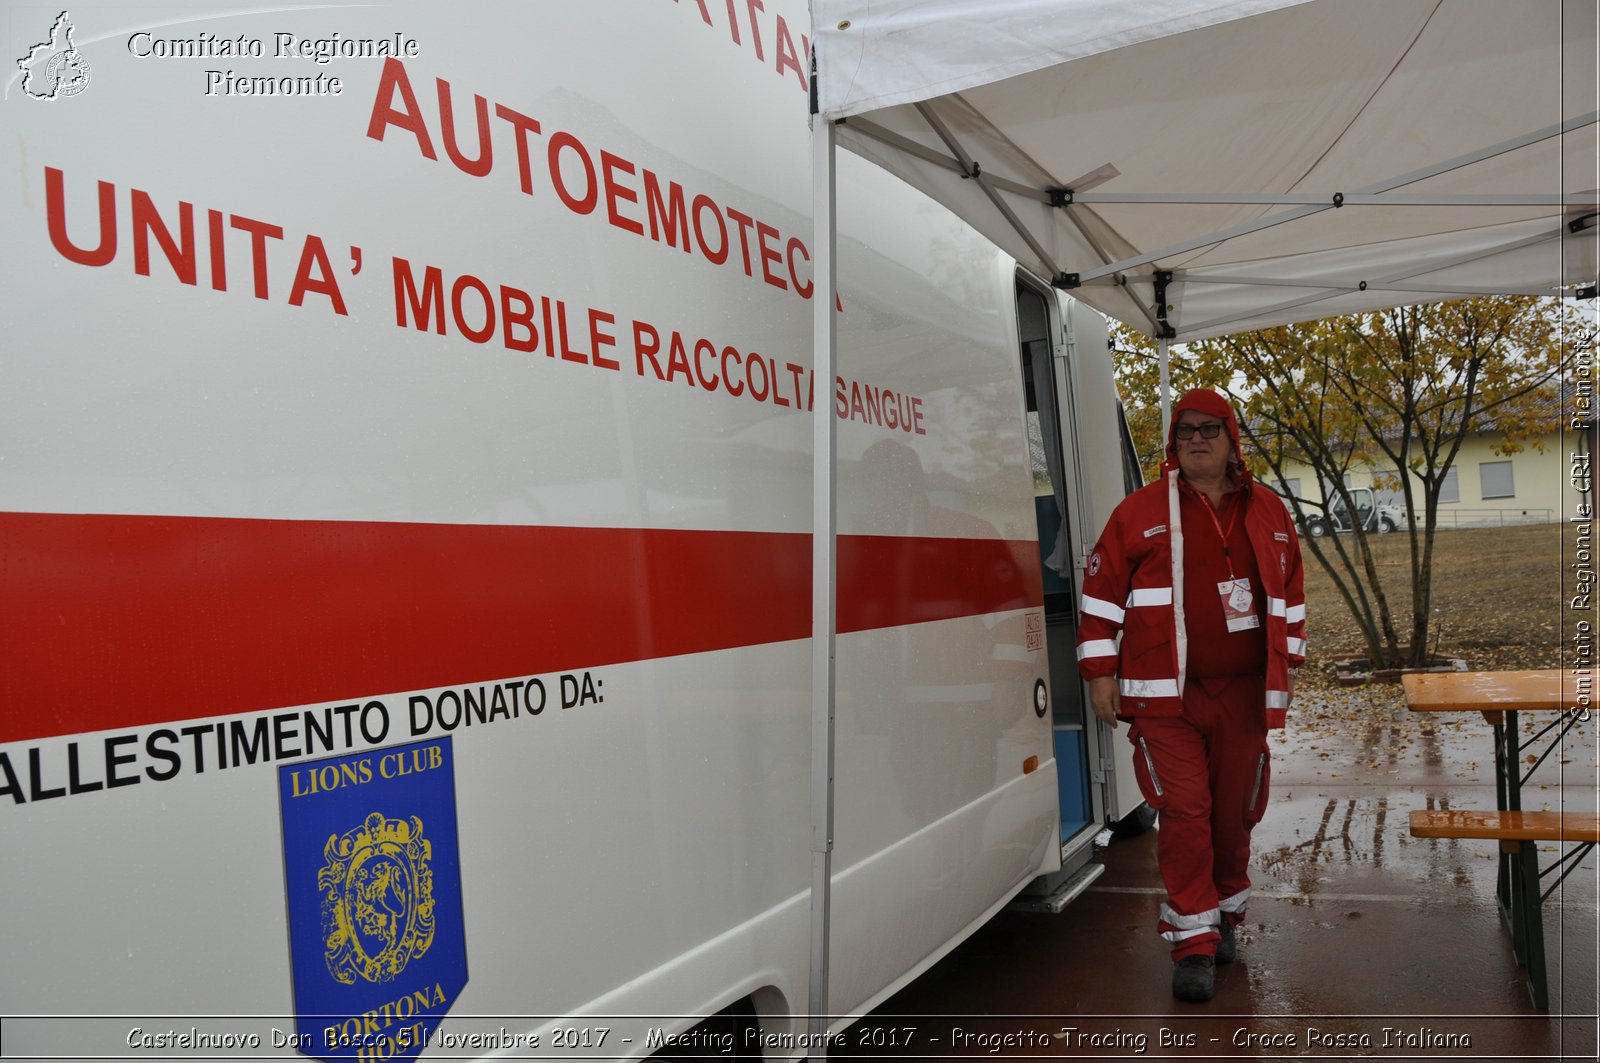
[[1208, 774]]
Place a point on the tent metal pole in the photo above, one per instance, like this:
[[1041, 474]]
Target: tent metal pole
[[1166, 393], [991, 184], [824, 526], [1347, 286], [962, 169], [1376, 187], [1349, 199], [974, 173], [1382, 283]]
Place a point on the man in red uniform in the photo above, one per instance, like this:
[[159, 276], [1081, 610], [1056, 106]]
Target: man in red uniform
[[1200, 574]]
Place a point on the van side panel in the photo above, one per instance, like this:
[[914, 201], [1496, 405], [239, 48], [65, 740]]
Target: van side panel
[[470, 406]]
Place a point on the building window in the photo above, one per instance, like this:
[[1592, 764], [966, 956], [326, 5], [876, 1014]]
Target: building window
[[1497, 482], [1450, 490], [1289, 488]]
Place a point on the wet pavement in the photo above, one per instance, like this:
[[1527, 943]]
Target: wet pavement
[[1361, 940]]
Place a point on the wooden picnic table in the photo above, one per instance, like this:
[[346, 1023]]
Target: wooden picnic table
[[1485, 692], [1500, 696]]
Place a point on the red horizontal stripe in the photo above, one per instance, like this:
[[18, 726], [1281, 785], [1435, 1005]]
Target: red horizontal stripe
[[121, 621], [887, 581]]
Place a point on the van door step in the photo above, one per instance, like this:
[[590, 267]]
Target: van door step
[[1062, 895]]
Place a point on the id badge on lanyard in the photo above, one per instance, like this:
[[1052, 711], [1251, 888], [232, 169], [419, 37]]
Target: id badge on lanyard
[[1238, 604], [1238, 601]]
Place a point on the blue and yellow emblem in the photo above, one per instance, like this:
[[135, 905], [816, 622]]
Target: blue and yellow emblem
[[373, 878]]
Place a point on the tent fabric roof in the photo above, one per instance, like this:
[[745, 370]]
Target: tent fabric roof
[[890, 52], [1282, 161]]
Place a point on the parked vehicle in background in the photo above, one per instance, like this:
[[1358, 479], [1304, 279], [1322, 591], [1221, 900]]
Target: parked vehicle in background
[[1373, 516]]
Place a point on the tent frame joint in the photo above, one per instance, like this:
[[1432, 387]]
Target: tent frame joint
[[1060, 197], [1162, 278], [1065, 281]]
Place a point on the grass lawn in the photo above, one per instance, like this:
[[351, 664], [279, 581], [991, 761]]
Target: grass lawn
[[1500, 598]]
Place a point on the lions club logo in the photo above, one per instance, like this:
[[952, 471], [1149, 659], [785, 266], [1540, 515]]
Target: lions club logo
[[377, 936], [377, 899]]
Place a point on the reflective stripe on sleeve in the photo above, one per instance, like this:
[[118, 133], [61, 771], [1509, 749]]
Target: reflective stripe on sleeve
[[1296, 613], [1297, 646], [1102, 608], [1149, 688], [1275, 607], [1097, 648], [1144, 596], [1277, 699]]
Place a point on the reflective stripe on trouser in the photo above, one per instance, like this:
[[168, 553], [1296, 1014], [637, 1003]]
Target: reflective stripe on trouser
[[1203, 846], [1233, 907], [1179, 928]]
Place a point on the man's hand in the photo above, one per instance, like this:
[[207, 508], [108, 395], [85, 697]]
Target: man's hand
[[1106, 699]]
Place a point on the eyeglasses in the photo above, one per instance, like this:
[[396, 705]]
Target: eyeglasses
[[1208, 431]]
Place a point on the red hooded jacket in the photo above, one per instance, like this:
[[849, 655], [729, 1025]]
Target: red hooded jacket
[[1133, 586]]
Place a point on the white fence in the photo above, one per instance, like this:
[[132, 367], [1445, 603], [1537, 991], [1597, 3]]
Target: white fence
[[1452, 517]]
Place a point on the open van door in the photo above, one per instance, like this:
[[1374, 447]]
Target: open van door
[[1076, 445], [1107, 470]]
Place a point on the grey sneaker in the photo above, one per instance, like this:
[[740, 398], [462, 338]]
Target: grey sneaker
[[1228, 947], [1194, 979]]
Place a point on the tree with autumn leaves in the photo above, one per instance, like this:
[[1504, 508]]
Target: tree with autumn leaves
[[1399, 389]]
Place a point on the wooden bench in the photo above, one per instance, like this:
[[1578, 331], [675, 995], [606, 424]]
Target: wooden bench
[[1517, 832], [1500, 697]]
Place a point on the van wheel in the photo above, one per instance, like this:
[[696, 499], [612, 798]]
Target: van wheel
[[1385, 526], [727, 1035], [1135, 823], [1316, 527]]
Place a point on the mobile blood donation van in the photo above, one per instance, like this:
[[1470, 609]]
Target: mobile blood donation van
[[405, 516]]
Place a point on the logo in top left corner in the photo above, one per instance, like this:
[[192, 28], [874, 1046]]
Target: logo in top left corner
[[54, 69]]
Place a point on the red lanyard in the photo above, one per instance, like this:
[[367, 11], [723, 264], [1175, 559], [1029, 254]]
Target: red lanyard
[[1233, 522]]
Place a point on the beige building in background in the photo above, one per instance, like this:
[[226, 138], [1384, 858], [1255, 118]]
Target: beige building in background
[[1481, 487]]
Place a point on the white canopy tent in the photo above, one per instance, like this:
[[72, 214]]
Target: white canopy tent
[[1278, 161], [1201, 167]]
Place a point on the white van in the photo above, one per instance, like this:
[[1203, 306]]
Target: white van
[[405, 456]]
